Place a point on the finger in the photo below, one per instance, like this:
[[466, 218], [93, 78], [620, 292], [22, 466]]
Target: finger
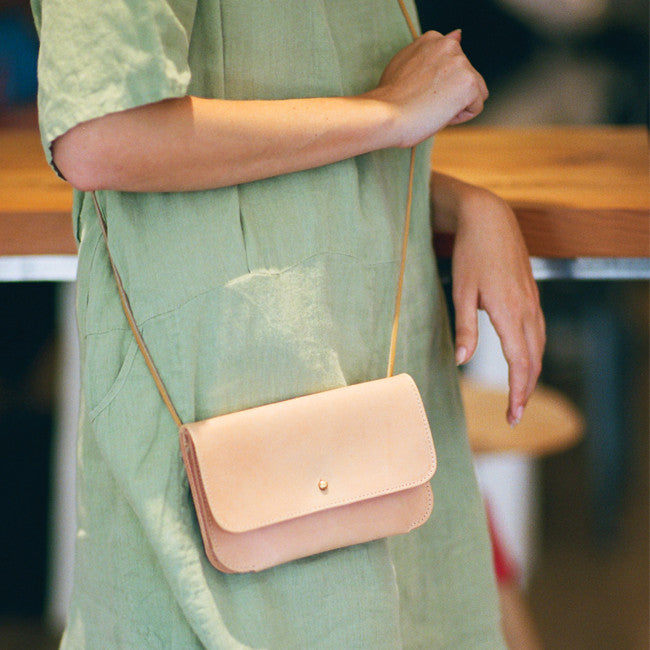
[[469, 112], [476, 107], [462, 117], [457, 35], [535, 333], [466, 313], [483, 89], [518, 380], [516, 351]]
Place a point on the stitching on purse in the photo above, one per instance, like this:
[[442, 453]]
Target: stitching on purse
[[238, 562], [427, 512], [423, 415]]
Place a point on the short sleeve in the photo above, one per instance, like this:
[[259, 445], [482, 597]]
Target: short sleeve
[[102, 56]]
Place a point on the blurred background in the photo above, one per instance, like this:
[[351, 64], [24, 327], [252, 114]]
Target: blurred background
[[586, 584]]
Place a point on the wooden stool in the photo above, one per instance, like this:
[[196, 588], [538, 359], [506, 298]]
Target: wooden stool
[[550, 424]]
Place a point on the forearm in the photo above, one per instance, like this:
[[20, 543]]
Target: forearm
[[491, 271], [451, 200], [192, 143]]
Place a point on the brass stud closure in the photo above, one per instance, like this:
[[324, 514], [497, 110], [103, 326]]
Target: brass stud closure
[[322, 485]]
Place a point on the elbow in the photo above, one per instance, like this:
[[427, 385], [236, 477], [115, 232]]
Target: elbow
[[80, 157]]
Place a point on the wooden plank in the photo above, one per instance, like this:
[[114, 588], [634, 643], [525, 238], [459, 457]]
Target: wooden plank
[[35, 205], [37, 233], [576, 191], [559, 232], [27, 184], [596, 168]]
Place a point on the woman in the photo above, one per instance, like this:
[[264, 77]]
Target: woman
[[253, 166]]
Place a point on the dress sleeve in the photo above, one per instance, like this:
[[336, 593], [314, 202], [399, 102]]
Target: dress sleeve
[[101, 56]]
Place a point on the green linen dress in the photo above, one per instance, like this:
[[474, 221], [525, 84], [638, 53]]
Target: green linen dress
[[248, 295]]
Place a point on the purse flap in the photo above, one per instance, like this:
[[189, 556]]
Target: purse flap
[[288, 459]]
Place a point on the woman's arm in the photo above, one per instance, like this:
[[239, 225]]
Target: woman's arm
[[191, 143], [491, 271]]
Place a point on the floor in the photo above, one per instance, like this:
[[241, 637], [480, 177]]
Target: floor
[[586, 596], [590, 589]]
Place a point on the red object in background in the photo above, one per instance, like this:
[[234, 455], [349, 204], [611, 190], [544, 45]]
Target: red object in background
[[504, 566]]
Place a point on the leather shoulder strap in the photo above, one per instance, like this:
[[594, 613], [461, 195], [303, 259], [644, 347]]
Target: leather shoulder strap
[[128, 312]]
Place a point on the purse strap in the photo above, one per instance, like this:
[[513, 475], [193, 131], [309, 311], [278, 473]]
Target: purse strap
[[128, 312], [407, 224]]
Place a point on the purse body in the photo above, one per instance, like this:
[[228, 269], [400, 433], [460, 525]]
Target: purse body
[[295, 478]]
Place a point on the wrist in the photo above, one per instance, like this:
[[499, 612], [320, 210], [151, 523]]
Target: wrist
[[390, 132], [453, 202], [473, 203]]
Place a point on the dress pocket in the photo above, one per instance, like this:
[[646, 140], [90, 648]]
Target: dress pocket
[[102, 385]]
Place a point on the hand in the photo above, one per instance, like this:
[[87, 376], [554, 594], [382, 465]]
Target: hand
[[431, 84], [491, 271]]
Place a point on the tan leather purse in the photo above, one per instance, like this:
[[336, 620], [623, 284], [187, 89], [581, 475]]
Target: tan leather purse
[[311, 474]]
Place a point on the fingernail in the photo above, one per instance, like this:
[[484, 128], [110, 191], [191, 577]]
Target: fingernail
[[519, 413], [461, 355]]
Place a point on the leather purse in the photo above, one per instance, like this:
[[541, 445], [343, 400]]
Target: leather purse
[[311, 474]]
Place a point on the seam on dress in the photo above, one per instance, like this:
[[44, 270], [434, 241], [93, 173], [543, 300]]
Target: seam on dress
[[265, 272], [242, 228]]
